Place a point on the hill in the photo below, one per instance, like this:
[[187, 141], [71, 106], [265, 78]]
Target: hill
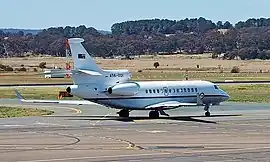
[[244, 40]]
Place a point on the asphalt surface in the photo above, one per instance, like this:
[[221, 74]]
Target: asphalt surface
[[235, 132]]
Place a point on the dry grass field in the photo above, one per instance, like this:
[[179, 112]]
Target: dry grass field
[[172, 67]]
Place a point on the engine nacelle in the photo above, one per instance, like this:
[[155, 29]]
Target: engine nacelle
[[72, 89], [124, 89]]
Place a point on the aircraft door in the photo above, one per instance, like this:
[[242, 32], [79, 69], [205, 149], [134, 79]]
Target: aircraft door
[[165, 91]]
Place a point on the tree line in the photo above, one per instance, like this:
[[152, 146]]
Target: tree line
[[246, 39]]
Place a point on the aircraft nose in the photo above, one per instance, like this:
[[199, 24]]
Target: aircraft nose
[[225, 96]]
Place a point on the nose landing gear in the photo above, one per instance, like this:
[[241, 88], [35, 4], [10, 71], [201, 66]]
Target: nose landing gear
[[206, 108]]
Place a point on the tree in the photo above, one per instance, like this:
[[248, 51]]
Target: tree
[[219, 25], [235, 69], [42, 65], [227, 25], [156, 64], [248, 39]]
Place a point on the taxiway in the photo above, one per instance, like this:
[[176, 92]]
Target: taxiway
[[236, 132]]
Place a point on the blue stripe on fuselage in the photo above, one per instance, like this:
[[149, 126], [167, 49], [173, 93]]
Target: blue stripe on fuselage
[[151, 97]]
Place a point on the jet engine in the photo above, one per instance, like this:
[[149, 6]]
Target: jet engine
[[124, 89], [72, 89]]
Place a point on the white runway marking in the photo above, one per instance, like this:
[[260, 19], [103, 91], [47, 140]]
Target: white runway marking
[[101, 119], [50, 124], [77, 110], [153, 131], [96, 157], [6, 125]]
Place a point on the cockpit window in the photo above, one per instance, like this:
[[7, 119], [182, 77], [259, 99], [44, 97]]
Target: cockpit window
[[216, 87]]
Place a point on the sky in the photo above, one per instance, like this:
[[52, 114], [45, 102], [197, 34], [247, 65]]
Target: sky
[[101, 14]]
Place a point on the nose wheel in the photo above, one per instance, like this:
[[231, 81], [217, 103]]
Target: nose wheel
[[207, 113], [206, 108]]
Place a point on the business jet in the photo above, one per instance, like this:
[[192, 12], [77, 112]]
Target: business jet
[[115, 89]]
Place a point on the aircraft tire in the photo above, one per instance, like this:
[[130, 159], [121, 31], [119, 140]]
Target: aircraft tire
[[153, 114], [123, 113], [207, 114]]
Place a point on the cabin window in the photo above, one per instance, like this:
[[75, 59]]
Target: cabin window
[[185, 90], [165, 90], [196, 90], [170, 91], [150, 91], [188, 90], [192, 90], [154, 91], [146, 91], [181, 90], [157, 90], [215, 86], [177, 90], [173, 90]]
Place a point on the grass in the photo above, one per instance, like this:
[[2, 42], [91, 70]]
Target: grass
[[248, 93], [34, 93], [7, 112], [259, 93], [172, 67], [29, 77], [25, 78], [210, 76]]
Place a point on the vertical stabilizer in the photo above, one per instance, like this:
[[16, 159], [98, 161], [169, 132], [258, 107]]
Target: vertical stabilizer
[[82, 60]]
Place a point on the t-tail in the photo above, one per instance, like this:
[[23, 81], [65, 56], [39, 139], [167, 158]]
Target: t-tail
[[86, 71], [82, 59]]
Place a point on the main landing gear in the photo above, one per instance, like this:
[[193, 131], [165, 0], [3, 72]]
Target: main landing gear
[[123, 113], [206, 108], [154, 114]]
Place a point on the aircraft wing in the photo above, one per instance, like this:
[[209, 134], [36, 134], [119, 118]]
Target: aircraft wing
[[68, 102], [169, 105]]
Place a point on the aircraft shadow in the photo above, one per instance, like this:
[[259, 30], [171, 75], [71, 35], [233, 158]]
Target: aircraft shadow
[[133, 119]]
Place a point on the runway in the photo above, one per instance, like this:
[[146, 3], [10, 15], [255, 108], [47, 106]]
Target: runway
[[236, 132]]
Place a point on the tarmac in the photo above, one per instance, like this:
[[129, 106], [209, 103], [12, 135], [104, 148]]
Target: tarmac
[[235, 132]]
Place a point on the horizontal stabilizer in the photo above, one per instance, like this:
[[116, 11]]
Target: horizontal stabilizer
[[90, 72], [68, 102]]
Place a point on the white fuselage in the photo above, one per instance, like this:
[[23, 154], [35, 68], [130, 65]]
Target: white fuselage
[[138, 95]]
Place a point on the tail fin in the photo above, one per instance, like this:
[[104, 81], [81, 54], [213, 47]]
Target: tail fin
[[82, 60]]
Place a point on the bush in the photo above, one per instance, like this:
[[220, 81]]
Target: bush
[[156, 64], [35, 69], [139, 71], [3, 66], [42, 65], [22, 69], [8, 68], [235, 69]]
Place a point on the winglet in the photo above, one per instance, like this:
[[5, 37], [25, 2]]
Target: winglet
[[19, 96]]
